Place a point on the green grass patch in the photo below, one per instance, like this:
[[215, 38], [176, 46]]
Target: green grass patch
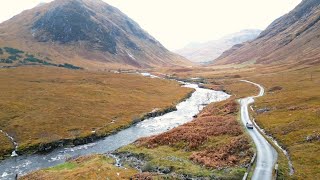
[[85, 167], [168, 157], [64, 166]]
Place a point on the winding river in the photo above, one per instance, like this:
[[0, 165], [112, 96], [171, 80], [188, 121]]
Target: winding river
[[185, 111]]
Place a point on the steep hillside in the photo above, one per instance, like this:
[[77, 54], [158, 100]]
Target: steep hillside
[[292, 38], [208, 51], [87, 33]]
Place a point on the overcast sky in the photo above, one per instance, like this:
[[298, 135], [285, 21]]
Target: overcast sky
[[176, 23]]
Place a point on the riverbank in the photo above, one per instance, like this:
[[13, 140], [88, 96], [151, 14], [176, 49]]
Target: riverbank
[[7, 146], [44, 108], [86, 167], [185, 112], [211, 146], [45, 148]]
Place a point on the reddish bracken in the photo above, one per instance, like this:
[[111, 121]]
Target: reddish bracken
[[233, 153], [216, 120], [195, 133], [144, 176]]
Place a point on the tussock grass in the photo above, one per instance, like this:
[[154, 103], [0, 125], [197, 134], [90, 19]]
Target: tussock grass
[[87, 167], [294, 116], [6, 145]]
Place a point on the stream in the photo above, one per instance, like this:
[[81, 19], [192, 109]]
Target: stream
[[185, 111]]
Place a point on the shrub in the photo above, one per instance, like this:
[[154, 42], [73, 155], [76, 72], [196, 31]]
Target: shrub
[[275, 88], [1, 52], [30, 55], [14, 57], [69, 66], [48, 64], [13, 50], [33, 59], [8, 61], [147, 167]]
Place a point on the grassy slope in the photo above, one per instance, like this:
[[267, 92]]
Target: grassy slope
[[11, 57], [294, 111], [40, 105], [294, 115], [86, 167], [6, 145]]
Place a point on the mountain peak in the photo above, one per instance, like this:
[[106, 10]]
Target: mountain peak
[[90, 29], [73, 21]]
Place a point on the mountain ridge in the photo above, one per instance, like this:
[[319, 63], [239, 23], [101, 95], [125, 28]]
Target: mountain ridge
[[210, 50], [292, 38], [87, 33]]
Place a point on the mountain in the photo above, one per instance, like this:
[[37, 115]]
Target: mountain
[[88, 33], [291, 39], [208, 51]]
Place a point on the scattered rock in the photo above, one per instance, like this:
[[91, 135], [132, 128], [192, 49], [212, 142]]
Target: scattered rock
[[262, 110], [133, 160], [275, 88], [313, 138], [293, 108], [145, 176]]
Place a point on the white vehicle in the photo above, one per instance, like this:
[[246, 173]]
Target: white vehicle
[[249, 125]]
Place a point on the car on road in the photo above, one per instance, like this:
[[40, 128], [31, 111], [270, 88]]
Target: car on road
[[249, 125]]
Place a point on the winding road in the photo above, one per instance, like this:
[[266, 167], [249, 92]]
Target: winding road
[[266, 154]]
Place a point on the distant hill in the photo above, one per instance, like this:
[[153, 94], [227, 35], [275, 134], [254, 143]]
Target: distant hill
[[87, 33], [293, 38], [208, 51]]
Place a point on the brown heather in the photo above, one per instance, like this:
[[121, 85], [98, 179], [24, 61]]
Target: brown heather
[[198, 136]]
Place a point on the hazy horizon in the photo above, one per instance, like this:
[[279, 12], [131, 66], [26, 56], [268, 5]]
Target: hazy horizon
[[178, 23]]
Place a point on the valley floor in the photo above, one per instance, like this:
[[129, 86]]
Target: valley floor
[[213, 144], [41, 105]]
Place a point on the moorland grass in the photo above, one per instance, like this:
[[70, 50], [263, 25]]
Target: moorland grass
[[175, 151], [294, 115], [39, 105], [86, 167], [6, 145], [294, 108]]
